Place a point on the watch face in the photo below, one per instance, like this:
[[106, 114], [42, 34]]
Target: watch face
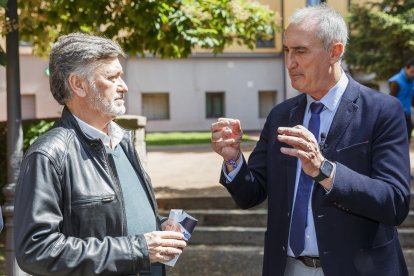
[[326, 168]]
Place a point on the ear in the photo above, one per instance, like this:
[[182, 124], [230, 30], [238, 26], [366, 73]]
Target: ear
[[78, 85], [336, 51]]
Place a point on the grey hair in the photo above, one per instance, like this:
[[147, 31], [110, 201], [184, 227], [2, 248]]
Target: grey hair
[[78, 54], [330, 25]]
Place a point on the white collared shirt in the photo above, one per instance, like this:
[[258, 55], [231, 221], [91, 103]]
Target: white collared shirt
[[114, 136]]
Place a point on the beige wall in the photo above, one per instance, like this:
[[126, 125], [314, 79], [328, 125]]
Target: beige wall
[[188, 80], [289, 8], [33, 81], [340, 5]]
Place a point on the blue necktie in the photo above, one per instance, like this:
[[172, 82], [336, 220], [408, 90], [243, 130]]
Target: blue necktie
[[300, 210]]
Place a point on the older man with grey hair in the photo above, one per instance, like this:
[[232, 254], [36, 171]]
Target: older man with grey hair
[[332, 162], [84, 204]]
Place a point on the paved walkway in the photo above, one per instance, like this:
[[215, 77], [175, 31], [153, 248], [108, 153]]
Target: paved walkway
[[193, 170]]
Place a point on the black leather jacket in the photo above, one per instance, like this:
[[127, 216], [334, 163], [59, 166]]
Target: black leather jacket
[[69, 213]]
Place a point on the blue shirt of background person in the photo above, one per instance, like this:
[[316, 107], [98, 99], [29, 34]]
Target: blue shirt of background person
[[402, 86]]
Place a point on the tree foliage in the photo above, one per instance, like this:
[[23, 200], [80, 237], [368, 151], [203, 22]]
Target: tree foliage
[[381, 37], [3, 24], [170, 28]]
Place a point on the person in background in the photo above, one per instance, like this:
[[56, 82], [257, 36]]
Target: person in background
[[402, 86], [331, 162], [84, 204]]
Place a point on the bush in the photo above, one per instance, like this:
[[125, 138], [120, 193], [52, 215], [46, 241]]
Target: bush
[[34, 130], [31, 130], [181, 138]]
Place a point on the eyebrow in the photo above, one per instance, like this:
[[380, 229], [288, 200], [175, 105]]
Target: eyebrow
[[296, 47], [113, 72]]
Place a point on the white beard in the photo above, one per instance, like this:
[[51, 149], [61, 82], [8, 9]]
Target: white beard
[[109, 107]]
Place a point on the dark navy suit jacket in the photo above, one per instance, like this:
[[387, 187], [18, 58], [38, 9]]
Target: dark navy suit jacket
[[356, 222]]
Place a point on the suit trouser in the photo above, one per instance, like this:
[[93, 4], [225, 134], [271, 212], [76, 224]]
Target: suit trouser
[[295, 267]]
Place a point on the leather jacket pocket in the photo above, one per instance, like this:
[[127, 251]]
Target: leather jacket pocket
[[92, 200], [96, 216]]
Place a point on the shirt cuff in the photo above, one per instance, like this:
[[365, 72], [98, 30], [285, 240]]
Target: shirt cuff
[[231, 175]]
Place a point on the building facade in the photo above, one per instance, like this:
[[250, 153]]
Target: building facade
[[185, 94]]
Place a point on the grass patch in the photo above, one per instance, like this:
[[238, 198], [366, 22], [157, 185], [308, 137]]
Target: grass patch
[[181, 138]]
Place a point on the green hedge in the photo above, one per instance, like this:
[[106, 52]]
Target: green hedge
[[31, 130]]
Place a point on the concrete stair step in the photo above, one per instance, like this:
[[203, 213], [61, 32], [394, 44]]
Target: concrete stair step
[[412, 200], [248, 218], [218, 250], [213, 202], [197, 203], [237, 235], [252, 217], [406, 236], [191, 202], [226, 260], [202, 260], [409, 259], [409, 221], [228, 235]]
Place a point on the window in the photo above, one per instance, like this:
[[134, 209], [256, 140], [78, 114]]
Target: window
[[267, 100], [214, 104], [261, 43], [314, 2], [156, 106]]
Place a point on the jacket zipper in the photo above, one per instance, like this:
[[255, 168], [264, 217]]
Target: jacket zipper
[[117, 185]]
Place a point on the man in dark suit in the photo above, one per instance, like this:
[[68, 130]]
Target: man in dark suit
[[332, 162]]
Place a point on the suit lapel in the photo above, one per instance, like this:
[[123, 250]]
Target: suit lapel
[[343, 116], [295, 118]]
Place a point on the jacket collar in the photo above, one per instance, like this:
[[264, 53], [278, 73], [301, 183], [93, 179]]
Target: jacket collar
[[343, 116], [69, 120]]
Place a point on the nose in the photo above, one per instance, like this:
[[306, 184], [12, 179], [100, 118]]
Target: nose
[[290, 61], [122, 87]]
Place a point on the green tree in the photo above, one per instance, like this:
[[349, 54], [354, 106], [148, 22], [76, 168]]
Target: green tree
[[3, 28], [170, 28], [381, 37]]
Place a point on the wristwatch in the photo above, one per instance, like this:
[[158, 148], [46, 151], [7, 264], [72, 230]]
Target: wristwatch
[[324, 171]]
